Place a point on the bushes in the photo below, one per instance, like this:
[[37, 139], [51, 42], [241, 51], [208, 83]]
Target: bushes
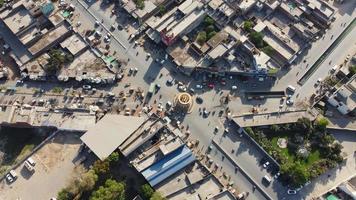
[[257, 39], [208, 32], [352, 69], [79, 185], [146, 191], [140, 4], [111, 190], [247, 26], [56, 60], [57, 90]]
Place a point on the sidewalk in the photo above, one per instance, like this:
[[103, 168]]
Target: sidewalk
[[323, 183], [270, 118]]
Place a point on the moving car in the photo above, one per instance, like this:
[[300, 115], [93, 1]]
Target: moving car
[[199, 86], [234, 87]]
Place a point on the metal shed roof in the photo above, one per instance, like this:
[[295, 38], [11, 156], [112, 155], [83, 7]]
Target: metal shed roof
[[109, 133], [168, 165]]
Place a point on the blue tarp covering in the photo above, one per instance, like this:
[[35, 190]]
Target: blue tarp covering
[[168, 165]]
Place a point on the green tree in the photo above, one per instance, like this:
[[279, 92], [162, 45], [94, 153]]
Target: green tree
[[64, 194], [157, 196], [321, 123], [268, 50], [352, 70], [111, 190], [210, 28], [162, 9], [147, 191], [101, 167], [114, 157], [211, 34], [257, 39], [247, 25], [208, 21], [201, 38], [140, 4], [88, 180]]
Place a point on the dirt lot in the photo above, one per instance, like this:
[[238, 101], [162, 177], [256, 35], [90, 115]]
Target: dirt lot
[[54, 167]]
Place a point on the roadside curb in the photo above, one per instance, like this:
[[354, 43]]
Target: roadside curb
[[241, 169]]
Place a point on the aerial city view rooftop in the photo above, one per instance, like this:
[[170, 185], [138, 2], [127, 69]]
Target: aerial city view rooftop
[[177, 100]]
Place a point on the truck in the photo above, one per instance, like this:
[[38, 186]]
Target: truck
[[151, 89]]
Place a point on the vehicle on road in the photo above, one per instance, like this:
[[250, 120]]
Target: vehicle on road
[[199, 100], [31, 161], [242, 195], [234, 87], [86, 87], [307, 183], [266, 164], [9, 178], [290, 102], [170, 82], [291, 88], [29, 167], [277, 175], [191, 90], [199, 86], [211, 85], [333, 69], [182, 88], [267, 179], [291, 191]]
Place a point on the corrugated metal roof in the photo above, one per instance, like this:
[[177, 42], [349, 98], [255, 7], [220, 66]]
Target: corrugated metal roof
[[109, 133], [168, 165]]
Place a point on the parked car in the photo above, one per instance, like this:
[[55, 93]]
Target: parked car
[[29, 167], [266, 164], [291, 191], [31, 161], [290, 102], [277, 175], [86, 87], [9, 178]]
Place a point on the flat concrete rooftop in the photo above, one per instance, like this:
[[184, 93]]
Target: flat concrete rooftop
[[19, 20]]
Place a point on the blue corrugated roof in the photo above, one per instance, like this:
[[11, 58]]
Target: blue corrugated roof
[[168, 165]]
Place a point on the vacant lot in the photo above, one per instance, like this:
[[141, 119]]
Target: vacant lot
[[17, 143], [54, 167]]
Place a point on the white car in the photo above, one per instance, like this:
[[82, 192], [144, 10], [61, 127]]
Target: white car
[[234, 87], [86, 87], [79, 23], [199, 86], [277, 175], [266, 164], [292, 191], [182, 88], [290, 102], [307, 183]]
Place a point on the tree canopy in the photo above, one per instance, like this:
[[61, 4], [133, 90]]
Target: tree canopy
[[147, 191], [111, 190]]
